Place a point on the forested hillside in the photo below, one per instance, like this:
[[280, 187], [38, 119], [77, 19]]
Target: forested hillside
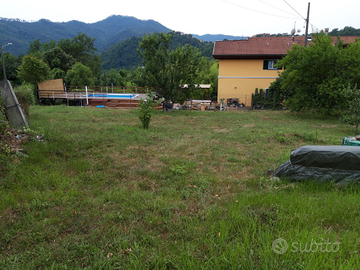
[[106, 32], [124, 54], [347, 31]]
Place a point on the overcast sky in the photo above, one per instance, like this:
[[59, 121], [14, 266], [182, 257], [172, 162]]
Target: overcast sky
[[229, 17]]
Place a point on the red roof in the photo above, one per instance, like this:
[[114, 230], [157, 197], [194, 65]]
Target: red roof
[[260, 47]]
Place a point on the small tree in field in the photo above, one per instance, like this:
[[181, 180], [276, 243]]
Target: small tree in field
[[146, 108], [166, 70], [352, 116]]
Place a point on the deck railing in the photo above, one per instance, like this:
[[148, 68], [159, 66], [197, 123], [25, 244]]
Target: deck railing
[[81, 92], [108, 89]]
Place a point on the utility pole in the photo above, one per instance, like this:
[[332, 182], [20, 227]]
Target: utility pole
[[2, 58], [307, 25], [2, 61]]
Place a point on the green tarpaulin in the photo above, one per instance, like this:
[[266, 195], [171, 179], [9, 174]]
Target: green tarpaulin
[[340, 164]]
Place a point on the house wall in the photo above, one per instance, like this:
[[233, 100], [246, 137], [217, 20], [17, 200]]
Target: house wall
[[238, 78]]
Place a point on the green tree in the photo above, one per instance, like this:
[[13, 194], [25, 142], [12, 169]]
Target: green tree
[[112, 77], [11, 65], [33, 70], [79, 75], [47, 46], [208, 75], [82, 49], [57, 58], [167, 71], [351, 116], [57, 73], [315, 75], [35, 48]]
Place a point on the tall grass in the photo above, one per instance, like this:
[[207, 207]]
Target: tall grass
[[100, 192]]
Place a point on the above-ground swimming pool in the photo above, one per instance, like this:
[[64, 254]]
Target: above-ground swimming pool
[[113, 95]]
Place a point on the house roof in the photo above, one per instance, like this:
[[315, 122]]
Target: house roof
[[261, 47]]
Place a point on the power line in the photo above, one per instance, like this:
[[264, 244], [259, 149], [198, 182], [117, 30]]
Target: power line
[[258, 11], [313, 26], [275, 7], [294, 10], [272, 14]]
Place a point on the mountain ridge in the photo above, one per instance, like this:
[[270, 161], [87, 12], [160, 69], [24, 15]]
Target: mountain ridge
[[21, 33], [107, 32]]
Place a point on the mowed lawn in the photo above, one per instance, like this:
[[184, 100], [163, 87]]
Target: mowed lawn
[[99, 192]]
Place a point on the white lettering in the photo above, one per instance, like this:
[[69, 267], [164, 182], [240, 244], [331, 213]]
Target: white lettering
[[315, 247], [327, 244], [305, 249], [295, 247], [337, 247], [312, 244]]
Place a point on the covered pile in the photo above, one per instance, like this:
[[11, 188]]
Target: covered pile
[[340, 164]]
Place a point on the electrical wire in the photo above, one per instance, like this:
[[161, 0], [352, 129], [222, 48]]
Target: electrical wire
[[258, 11], [313, 26], [275, 7], [294, 10], [274, 14]]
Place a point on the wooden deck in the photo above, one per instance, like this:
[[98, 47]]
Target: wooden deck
[[95, 101], [126, 103]]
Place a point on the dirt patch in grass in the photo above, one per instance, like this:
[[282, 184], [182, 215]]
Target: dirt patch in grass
[[223, 130], [13, 139]]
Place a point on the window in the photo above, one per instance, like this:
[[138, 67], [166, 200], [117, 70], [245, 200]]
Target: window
[[270, 64]]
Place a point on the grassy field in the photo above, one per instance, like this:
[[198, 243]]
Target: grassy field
[[99, 192]]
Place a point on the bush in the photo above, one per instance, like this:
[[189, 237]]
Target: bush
[[272, 98], [3, 120], [146, 107], [351, 116], [4, 147], [25, 96]]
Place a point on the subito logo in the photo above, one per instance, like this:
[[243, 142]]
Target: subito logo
[[280, 246]]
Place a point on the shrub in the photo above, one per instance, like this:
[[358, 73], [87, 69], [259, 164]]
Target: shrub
[[3, 120], [146, 107], [25, 96], [351, 116], [272, 98], [4, 147]]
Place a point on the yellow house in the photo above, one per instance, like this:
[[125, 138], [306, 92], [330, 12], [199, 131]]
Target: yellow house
[[245, 65]]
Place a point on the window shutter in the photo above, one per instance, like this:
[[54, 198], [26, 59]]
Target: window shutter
[[266, 64]]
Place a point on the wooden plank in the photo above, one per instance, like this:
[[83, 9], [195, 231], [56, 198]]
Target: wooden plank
[[52, 85]]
